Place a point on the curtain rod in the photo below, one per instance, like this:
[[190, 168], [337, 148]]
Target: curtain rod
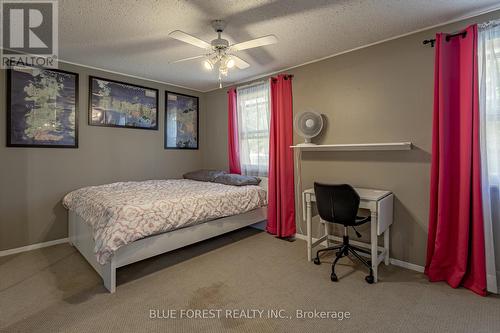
[[256, 83], [448, 37], [287, 76], [493, 23]]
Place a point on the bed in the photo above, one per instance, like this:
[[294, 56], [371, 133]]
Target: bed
[[118, 224]]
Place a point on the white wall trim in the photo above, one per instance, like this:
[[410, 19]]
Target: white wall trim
[[33, 247], [455, 20], [407, 265], [491, 283], [395, 262], [129, 75], [117, 73]]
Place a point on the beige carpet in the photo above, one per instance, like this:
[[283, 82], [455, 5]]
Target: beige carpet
[[55, 290]]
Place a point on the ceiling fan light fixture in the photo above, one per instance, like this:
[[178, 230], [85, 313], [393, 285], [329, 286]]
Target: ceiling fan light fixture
[[220, 53], [208, 65], [223, 70], [230, 62]]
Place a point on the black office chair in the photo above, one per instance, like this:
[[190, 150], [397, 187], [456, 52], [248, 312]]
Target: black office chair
[[339, 204]]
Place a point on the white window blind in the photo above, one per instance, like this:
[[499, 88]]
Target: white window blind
[[253, 128]]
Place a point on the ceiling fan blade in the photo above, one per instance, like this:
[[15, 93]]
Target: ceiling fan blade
[[240, 63], [186, 59], [261, 41], [187, 38]]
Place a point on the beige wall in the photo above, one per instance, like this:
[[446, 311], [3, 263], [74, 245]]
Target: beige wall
[[378, 94], [34, 180], [382, 93]]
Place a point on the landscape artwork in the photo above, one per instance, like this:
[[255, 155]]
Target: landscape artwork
[[118, 104], [181, 121], [42, 108]]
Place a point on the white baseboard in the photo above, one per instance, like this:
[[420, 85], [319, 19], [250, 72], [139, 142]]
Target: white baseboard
[[4, 253], [32, 247], [260, 226], [492, 283], [407, 265], [395, 262]]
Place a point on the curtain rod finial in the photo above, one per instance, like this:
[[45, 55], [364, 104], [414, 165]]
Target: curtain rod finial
[[429, 41]]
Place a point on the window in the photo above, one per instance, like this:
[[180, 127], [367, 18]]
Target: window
[[253, 128], [489, 110], [489, 73]]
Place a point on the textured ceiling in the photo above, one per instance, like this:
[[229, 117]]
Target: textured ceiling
[[130, 36]]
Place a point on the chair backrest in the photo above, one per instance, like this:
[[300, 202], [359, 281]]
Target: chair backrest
[[337, 203]]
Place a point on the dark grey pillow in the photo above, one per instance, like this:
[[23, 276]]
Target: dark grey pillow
[[236, 180], [204, 175]]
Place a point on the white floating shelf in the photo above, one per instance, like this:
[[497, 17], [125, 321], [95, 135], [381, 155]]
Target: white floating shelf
[[357, 147]]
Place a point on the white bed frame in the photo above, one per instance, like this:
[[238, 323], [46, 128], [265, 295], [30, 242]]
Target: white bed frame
[[80, 236]]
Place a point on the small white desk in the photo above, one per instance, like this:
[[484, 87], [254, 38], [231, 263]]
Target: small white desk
[[379, 202]]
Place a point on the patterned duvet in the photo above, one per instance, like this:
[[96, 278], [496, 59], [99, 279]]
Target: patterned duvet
[[121, 213]]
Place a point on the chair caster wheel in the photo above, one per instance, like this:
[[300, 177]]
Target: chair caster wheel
[[369, 279], [334, 277], [316, 261]]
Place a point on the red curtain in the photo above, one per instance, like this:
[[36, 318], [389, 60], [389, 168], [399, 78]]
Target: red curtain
[[233, 144], [281, 196], [455, 247]]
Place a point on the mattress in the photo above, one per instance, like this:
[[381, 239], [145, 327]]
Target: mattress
[[121, 213]]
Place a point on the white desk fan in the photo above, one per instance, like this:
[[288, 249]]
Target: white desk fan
[[308, 124]]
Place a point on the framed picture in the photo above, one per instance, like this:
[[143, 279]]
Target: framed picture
[[118, 104], [42, 108], [181, 121]]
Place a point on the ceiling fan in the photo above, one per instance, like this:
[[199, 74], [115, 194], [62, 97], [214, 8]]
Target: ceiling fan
[[220, 54]]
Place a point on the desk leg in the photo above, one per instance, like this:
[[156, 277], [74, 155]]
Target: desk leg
[[374, 244], [386, 246], [309, 232]]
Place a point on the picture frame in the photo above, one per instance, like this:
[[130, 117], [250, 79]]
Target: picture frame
[[42, 108], [181, 121], [121, 104]]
